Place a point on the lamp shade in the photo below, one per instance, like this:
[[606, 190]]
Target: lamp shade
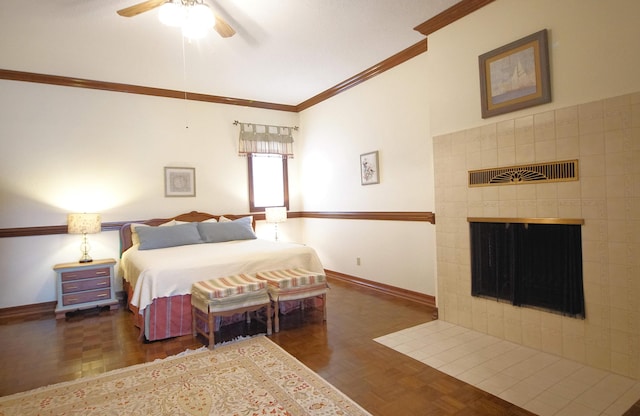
[[83, 223], [276, 214]]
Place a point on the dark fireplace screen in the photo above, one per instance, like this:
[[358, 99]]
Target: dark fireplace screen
[[537, 265]]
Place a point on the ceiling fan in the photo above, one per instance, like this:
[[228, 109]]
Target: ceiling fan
[[178, 12]]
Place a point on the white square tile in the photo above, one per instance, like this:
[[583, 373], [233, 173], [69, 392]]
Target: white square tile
[[450, 355], [517, 397], [529, 387], [589, 375], [562, 368], [393, 340], [540, 408], [433, 362], [475, 376], [499, 363], [497, 383], [489, 343], [596, 399], [569, 388], [605, 393], [617, 385], [540, 380], [577, 409], [546, 404], [455, 368], [404, 348], [625, 401], [537, 381], [552, 399], [472, 376], [419, 355]]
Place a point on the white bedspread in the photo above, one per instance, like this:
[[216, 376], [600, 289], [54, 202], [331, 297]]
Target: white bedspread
[[171, 271]]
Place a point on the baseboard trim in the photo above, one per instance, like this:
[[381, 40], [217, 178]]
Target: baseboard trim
[[384, 288], [28, 312], [46, 309]]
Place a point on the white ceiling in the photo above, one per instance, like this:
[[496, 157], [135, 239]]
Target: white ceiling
[[284, 51]]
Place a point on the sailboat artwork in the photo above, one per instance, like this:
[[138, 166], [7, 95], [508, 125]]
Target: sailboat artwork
[[515, 76]]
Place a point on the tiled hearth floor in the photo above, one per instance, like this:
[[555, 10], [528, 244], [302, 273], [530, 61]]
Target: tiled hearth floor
[[542, 383]]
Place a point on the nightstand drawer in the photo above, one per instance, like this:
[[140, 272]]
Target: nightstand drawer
[[85, 274], [85, 285], [81, 285], [84, 297]]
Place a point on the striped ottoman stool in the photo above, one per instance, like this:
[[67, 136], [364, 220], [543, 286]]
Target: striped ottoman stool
[[226, 296], [294, 284]]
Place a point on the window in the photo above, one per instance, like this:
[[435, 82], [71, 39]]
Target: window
[[268, 181]]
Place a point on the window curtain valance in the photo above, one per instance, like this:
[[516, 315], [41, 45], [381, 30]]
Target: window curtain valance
[[262, 138]]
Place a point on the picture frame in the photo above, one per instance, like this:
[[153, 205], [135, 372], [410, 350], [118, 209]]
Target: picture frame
[[179, 182], [515, 76], [369, 168]]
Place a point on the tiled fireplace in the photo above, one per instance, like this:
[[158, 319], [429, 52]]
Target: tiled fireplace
[[604, 137]]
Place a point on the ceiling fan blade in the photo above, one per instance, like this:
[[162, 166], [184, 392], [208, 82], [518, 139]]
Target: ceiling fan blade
[[223, 28], [136, 9]]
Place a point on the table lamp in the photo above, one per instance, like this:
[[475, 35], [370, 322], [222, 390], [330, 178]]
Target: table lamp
[[275, 215], [84, 224]]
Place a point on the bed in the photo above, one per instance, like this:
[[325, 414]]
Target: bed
[[162, 258]]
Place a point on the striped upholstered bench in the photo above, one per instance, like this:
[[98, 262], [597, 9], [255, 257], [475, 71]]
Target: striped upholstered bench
[[227, 296], [294, 284]]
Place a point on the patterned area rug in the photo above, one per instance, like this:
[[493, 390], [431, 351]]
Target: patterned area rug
[[249, 377]]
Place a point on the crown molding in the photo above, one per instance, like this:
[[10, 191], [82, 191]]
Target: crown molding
[[453, 13], [381, 67], [448, 16], [136, 89]]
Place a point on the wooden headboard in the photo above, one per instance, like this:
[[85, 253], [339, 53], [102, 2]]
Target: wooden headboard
[[193, 216]]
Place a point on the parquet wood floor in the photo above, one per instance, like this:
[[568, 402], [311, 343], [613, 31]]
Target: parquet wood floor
[[45, 351]]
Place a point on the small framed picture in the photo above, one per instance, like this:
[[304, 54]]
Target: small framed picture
[[515, 76], [179, 181], [369, 168]]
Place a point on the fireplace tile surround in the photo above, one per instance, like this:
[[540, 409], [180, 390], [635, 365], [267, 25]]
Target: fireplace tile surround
[[604, 136]]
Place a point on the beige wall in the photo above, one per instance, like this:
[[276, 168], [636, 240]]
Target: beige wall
[[78, 150], [387, 114], [604, 136]]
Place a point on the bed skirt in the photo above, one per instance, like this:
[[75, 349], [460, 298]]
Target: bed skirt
[[170, 317], [165, 318]]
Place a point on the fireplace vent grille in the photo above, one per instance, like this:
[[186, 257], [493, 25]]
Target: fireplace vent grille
[[563, 171]]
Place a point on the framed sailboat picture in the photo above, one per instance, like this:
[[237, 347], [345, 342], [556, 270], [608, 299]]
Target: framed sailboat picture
[[515, 76]]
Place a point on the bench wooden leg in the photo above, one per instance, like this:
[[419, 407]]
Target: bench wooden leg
[[276, 315], [324, 307], [212, 328], [194, 328], [269, 329]]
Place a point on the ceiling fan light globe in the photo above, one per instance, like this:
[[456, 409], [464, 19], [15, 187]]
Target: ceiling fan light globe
[[200, 15], [199, 19], [172, 14]]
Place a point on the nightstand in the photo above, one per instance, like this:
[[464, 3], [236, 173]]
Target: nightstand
[[85, 285]]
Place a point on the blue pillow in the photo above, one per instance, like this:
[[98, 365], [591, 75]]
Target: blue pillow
[[175, 235], [218, 232]]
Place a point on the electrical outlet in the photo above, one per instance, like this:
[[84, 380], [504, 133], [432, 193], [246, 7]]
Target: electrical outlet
[[357, 261]]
